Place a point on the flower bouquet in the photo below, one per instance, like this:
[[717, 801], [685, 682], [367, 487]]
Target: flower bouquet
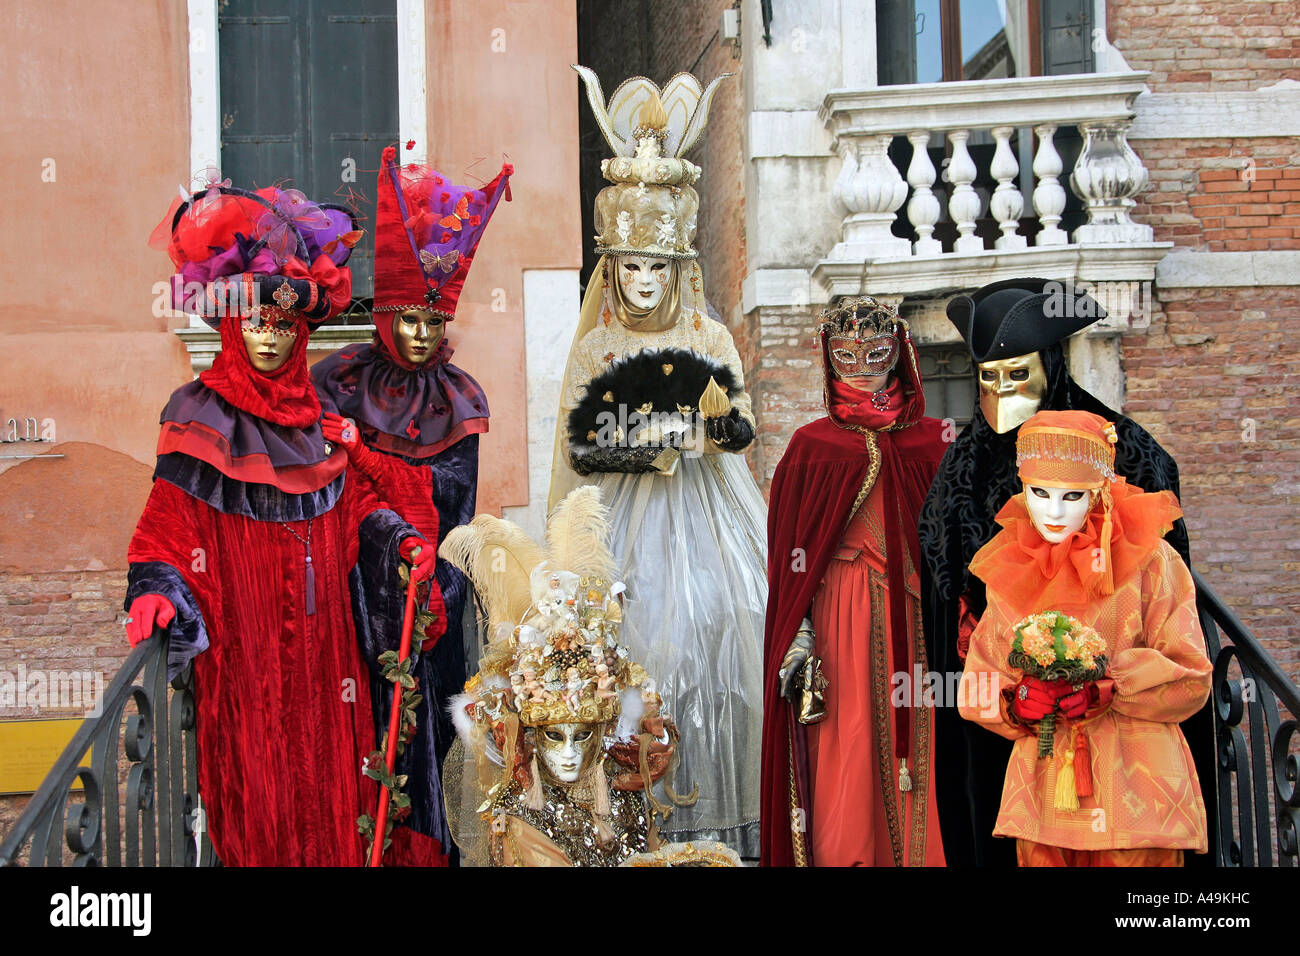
[[1054, 646]]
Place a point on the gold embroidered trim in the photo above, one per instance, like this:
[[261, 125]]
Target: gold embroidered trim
[[880, 707], [796, 835], [920, 759]]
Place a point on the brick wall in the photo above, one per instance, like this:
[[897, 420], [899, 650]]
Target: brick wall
[[61, 621], [1222, 195], [685, 38], [1223, 45], [787, 387], [1214, 380]]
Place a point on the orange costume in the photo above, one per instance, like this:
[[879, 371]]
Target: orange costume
[[1116, 575]]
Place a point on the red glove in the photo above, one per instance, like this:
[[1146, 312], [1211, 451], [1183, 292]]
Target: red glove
[[146, 611], [1090, 701], [421, 555], [1075, 704], [341, 431], [345, 433], [1033, 699]]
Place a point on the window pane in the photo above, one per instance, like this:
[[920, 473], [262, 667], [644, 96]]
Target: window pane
[[946, 375], [929, 42], [989, 43], [1067, 37]]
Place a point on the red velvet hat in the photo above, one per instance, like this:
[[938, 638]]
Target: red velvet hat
[[426, 233]]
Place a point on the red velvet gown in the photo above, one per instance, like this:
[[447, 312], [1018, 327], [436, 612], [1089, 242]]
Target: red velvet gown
[[284, 717], [831, 790]]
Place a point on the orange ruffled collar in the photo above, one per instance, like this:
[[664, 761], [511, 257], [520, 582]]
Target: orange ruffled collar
[[1072, 572]]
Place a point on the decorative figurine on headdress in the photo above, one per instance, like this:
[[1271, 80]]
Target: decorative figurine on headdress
[[1092, 636], [847, 773], [1015, 331], [654, 412], [565, 774], [252, 527], [410, 421]]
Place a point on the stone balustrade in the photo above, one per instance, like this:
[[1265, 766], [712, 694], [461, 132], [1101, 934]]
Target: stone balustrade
[[870, 191]]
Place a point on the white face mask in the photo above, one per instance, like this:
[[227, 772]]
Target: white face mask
[[1057, 513], [643, 280], [568, 749]]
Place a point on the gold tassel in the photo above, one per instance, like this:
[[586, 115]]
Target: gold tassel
[[536, 797], [1066, 797], [904, 778], [600, 790]]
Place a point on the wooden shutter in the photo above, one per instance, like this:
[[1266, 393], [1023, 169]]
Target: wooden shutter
[[306, 85]]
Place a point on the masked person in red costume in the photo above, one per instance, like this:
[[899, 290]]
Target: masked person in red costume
[[410, 421], [847, 776], [1081, 541], [245, 546]]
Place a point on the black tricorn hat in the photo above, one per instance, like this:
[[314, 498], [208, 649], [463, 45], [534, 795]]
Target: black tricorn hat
[[1018, 316]]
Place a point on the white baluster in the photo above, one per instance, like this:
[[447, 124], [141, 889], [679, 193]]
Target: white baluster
[[964, 204], [1049, 194], [1006, 204], [842, 191], [923, 207], [1106, 177], [872, 193]]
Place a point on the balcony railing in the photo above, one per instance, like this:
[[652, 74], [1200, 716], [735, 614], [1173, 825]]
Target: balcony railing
[[870, 191], [148, 817], [1258, 796], [138, 803]]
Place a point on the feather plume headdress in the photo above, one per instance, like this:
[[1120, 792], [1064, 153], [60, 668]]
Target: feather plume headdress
[[553, 616]]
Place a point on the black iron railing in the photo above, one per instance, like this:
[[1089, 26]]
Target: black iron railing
[[1259, 801], [138, 805]]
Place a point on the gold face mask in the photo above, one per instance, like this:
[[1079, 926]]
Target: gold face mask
[[1011, 390], [416, 333], [269, 341], [567, 750]]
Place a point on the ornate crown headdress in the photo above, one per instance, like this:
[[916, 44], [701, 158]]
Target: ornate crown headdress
[[651, 207], [861, 317], [241, 253]]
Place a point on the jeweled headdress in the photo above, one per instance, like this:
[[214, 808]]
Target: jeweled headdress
[[553, 654], [239, 252], [651, 207]]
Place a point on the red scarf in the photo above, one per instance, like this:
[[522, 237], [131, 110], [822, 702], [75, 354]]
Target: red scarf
[[853, 406], [283, 397]]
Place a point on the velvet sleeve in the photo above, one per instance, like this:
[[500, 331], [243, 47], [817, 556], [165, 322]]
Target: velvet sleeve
[[1168, 679], [187, 635], [378, 595], [454, 477], [407, 489], [987, 677], [165, 542]]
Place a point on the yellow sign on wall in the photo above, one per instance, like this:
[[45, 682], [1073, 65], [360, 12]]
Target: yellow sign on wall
[[28, 749]]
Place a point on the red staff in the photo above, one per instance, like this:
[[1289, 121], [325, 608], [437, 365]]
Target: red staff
[[394, 719]]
